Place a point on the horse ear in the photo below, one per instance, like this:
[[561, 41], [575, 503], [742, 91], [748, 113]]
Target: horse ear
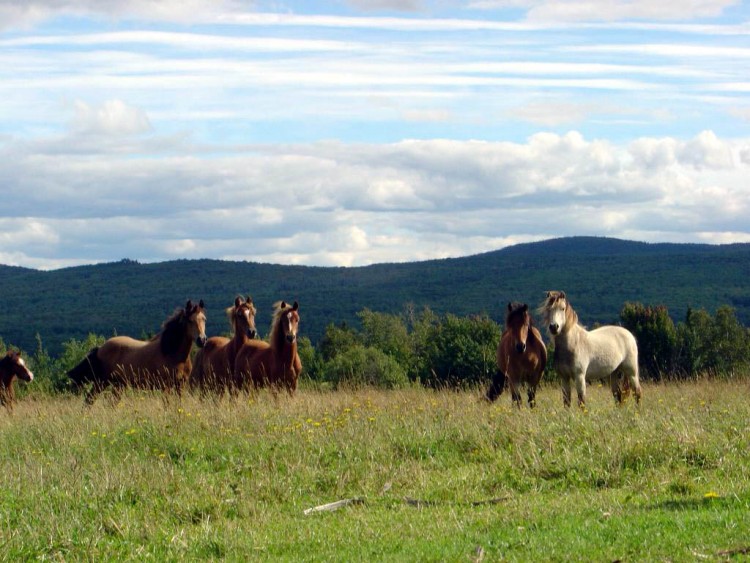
[[188, 305], [283, 305], [525, 307], [295, 306], [562, 295], [201, 305], [510, 306], [237, 301], [249, 300]]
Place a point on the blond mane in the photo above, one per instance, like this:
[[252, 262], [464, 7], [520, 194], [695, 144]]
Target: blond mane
[[551, 300]]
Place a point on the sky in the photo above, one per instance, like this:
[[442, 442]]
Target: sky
[[353, 132]]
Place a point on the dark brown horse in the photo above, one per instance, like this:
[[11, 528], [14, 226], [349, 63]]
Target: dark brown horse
[[521, 356], [160, 363], [213, 366], [12, 366], [276, 362]]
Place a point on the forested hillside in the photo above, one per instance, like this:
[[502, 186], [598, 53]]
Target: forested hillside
[[599, 275]]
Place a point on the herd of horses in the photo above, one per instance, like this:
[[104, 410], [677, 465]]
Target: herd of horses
[[244, 362]]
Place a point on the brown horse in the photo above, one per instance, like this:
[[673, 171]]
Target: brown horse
[[521, 356], [213, 367], [275, 363], [160, 363], [12, 366]]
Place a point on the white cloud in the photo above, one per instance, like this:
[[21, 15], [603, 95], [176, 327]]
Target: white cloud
[[551, 113], [706, 151], [398, 5], [351, 204], [113, 117], [609, 10], [28, 12]]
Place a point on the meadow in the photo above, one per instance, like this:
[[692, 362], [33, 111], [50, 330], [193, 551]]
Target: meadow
[[432, 476]]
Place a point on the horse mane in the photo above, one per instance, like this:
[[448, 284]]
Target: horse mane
[[278, 312], [171, 333], [549, 302], [516, 309], [239, 302]]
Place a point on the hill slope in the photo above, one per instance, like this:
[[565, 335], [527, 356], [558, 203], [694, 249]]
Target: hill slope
[[599, 275]]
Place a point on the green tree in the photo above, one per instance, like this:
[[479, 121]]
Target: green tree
[[461, 351], [389, 334], [730, 343], [656, 335], [361, 366], [337, 339], [718, 345], [312, 363]]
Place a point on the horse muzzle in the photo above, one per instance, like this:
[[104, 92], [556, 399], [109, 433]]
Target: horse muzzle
[[520, 347], [200, 341], [251, 333], [554, 328], [291, 338]]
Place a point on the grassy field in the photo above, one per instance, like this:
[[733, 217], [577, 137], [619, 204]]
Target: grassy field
[[437, 476]]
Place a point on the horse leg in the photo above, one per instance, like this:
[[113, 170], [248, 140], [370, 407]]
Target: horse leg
[[96, 388], [116, 395], [532, 396], [635, 383], [614, 383], [514, 392], [565, 384], [581, 389], [496, 387], [6, 396]]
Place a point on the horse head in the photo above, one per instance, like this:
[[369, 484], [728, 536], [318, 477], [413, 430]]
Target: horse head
[[518, 322], [289, 321], [243, 316], [195, 316], [557, 312], [14, 365]]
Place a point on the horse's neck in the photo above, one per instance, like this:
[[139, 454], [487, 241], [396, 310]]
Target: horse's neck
[[182, 352], [240, 337], [282, 348]]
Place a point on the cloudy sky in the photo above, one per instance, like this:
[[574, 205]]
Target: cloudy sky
[[354, 132]]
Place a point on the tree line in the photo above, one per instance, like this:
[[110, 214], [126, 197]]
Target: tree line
[[422, 347]]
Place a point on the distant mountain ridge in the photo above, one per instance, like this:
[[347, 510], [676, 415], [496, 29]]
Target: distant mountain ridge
[[599, 275]]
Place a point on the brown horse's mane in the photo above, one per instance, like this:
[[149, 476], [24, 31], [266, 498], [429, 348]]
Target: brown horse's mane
[[278, 312], [516, 310], [172, 332]]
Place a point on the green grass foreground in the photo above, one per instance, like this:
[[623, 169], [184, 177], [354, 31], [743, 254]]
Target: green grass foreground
[[441, 476]]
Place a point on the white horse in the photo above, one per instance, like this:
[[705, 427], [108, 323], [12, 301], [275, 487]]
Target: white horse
[[583, 355]]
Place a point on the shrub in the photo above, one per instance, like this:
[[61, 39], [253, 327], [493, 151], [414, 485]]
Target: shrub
[[656, 335], [458, 350], [361, 366]]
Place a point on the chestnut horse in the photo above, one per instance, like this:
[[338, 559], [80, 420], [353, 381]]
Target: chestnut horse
[[213, 366], [276, 362], [521, 356], [585, 356], [163, 362], [12, 366]]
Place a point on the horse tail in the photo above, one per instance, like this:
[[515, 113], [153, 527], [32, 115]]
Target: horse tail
[[88, 369], [497, 386]]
